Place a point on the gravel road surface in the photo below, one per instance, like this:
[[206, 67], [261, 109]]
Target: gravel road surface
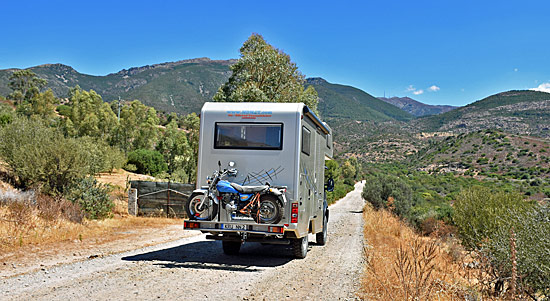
[[193, 268]]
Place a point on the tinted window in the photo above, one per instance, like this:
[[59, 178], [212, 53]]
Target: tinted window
[[249, 135], [306, 141]]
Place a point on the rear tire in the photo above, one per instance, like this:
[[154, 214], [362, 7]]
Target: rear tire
[[300, 246], [322, 237], [270, 210], [195, 211], [231, 247]]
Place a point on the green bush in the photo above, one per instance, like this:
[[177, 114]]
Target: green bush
[[92, 197], [41, 156], [64, 110], [7, 114], [384, 191], [485, 220], [147, 161], [101, 156]]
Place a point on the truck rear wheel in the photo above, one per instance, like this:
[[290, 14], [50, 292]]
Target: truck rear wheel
[[299, 247], [231, 247], [321, 237]]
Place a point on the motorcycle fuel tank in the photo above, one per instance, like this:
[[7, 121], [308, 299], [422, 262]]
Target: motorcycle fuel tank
[[225, 187]]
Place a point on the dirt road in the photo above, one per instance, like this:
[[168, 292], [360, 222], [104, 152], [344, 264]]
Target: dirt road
[[196, 269]]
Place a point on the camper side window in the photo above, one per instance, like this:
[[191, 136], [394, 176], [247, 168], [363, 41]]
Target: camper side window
[[306, 140]]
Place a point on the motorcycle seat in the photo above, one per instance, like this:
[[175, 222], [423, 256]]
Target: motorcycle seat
[[249, 189]]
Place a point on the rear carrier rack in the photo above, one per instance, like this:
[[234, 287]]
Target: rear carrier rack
[[221, 227]]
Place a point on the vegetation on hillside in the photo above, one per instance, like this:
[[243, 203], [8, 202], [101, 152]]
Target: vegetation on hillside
[[181, 87], [518, 112], [339, 101], [56, 149]]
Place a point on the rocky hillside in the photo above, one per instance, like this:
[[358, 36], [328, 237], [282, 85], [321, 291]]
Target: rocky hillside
[[417, 108], [181, 86], [521, 112]]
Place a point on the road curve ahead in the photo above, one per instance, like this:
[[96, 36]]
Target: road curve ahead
[[196, 269]]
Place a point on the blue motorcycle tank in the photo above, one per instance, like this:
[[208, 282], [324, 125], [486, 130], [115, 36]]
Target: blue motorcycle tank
[[225, 187]]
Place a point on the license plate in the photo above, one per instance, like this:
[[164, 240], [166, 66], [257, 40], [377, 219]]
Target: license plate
[[234, 227]]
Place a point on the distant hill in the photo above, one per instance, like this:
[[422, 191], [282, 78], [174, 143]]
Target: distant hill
[[340, 101], [184, 86], [488, 153], [417, 108], [181, 86], [523, 112]]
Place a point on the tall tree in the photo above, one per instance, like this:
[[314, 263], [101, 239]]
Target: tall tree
[[173, 145], [42, 105], [138, 127], [90, 116], [264, 73], [191, 123], [25, 85]]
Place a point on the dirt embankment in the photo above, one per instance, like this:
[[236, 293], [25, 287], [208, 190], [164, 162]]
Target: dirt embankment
[[195, 269]]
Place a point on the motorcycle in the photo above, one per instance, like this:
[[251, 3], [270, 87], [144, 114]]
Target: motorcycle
[[264, 203]]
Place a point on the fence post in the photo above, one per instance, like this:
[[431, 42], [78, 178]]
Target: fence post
[[132, 201]]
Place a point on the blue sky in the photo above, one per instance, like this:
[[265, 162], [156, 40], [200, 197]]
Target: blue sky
[[438, 52]]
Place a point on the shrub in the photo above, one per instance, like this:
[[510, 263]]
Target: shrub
[[391, 192], [147, 161], [64, 110], [92, 197], [41, 156], [485, 220]]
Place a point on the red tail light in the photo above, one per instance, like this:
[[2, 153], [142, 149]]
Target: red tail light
[[191, 225], [294, 213], [276, 229]]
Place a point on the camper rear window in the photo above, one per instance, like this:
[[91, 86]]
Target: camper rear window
[[249, 136]]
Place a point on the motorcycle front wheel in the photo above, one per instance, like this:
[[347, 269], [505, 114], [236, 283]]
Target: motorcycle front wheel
[[199, 207], [270, 211]]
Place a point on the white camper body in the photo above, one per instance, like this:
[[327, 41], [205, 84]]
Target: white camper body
[[283, 144]]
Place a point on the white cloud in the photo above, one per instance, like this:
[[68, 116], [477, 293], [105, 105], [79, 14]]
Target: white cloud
[[433, 88], [411, 88], [544, 87], [418, 92]]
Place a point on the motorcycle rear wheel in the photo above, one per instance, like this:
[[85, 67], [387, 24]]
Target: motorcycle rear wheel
[[270, 211], [197, 211]]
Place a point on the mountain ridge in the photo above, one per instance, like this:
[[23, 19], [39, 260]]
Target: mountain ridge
[[524, 112], [416, 107]]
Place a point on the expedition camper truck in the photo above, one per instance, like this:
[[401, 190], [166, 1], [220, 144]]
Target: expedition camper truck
[[283, 144]]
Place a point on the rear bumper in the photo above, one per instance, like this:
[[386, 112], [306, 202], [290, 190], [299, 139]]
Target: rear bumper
[[220, 228]]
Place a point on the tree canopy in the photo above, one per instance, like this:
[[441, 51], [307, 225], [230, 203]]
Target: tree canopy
[[25, 85], [265, 74]]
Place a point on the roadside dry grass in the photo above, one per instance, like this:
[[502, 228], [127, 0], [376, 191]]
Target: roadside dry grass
[[401, 265], [22, 225], [28, 219]]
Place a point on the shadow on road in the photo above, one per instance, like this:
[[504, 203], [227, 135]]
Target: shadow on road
[[253, 257]]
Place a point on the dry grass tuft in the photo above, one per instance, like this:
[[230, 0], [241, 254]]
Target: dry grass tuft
[[29, 219], [401, 265]]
